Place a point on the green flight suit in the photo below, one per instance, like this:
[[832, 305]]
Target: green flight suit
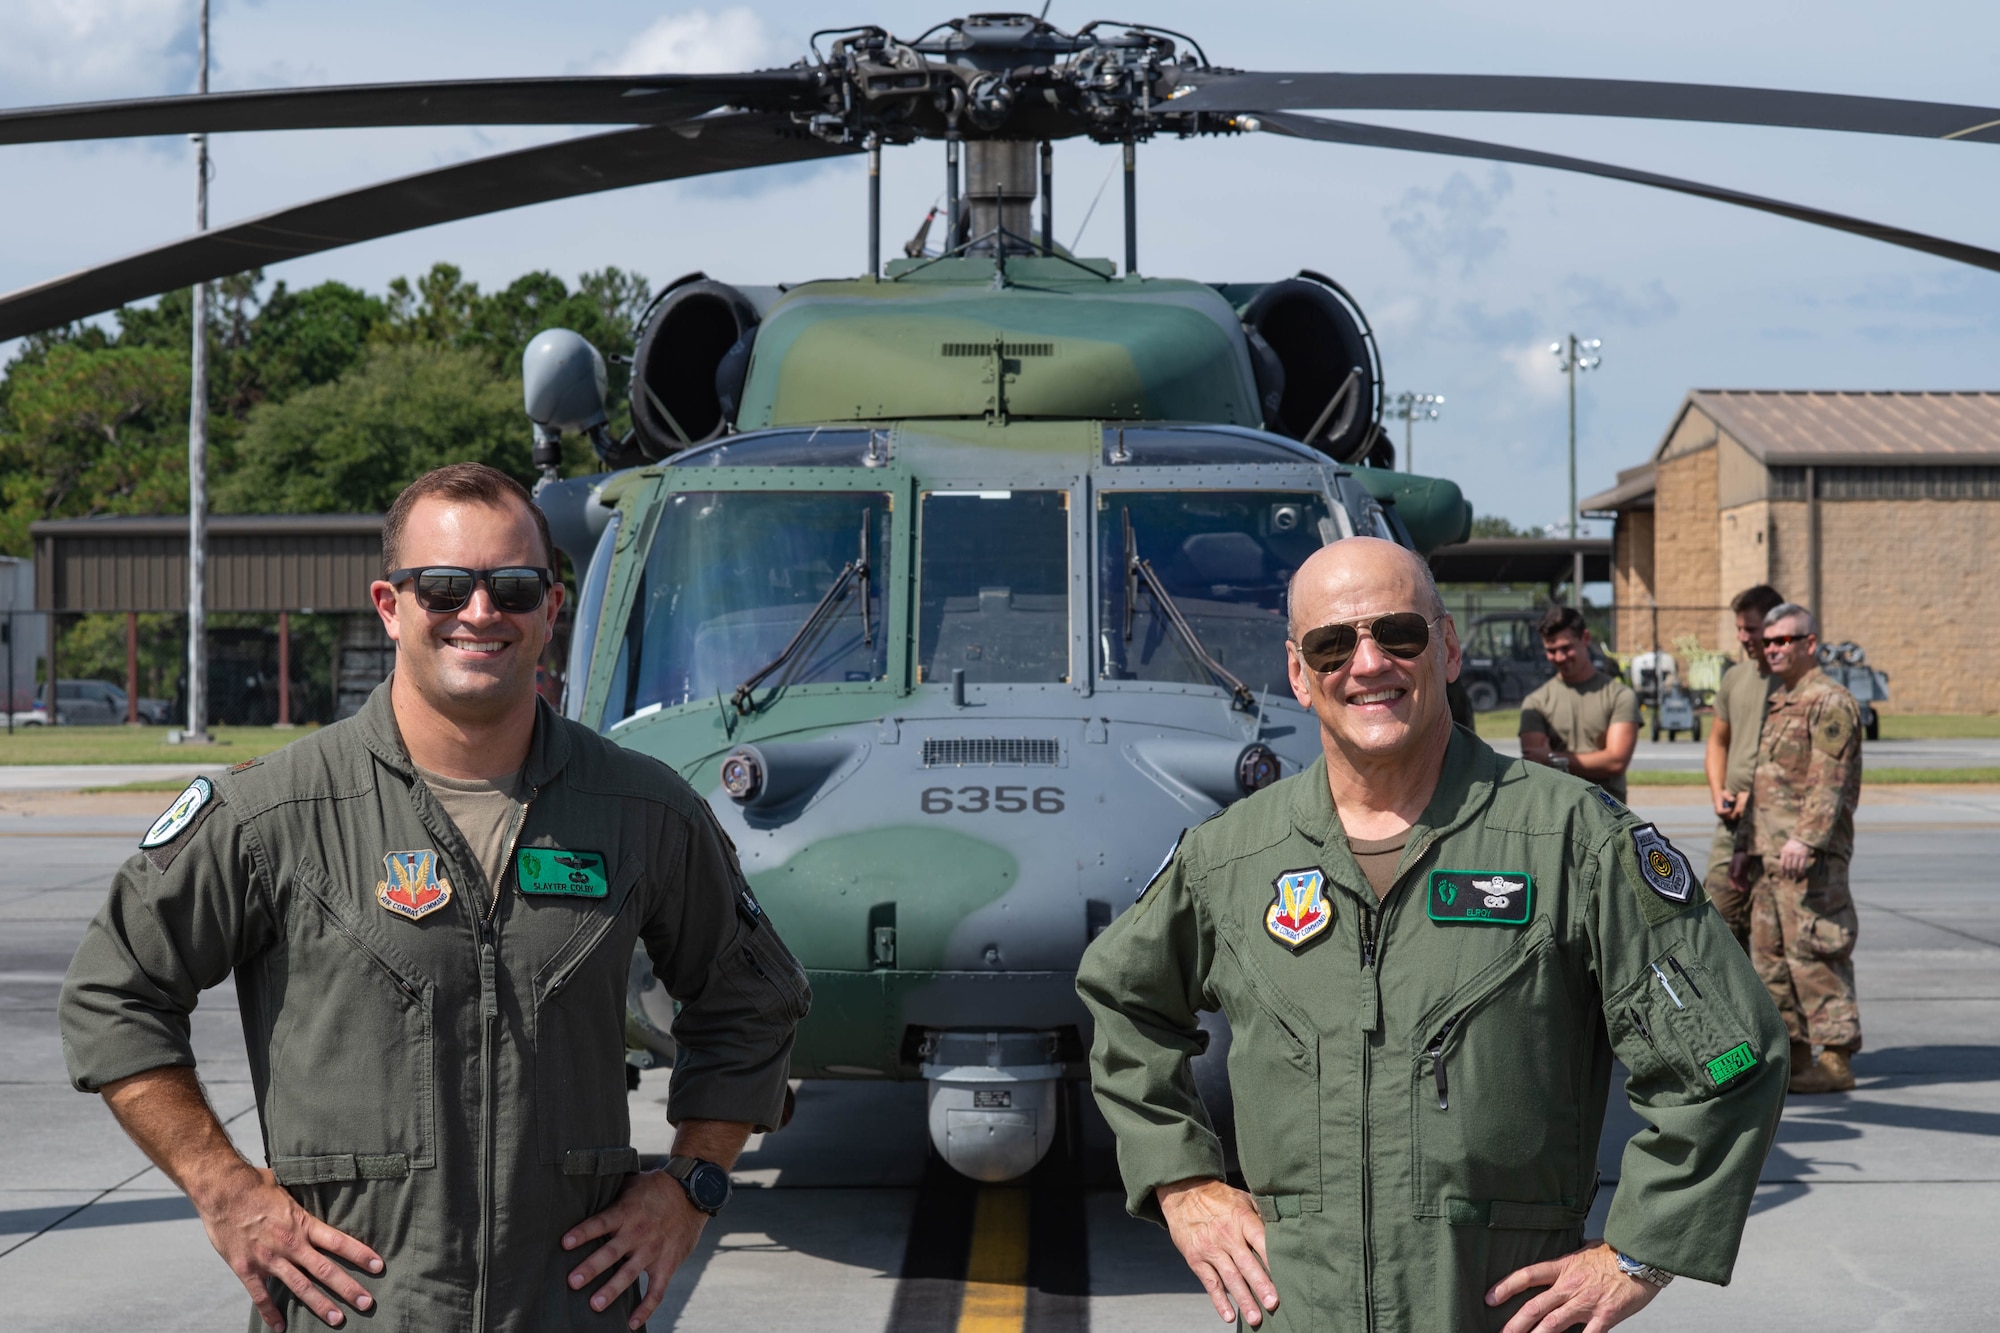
[[445, 1079], [1420, 1084]]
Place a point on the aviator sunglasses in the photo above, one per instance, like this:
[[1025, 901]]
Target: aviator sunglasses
[[1404, 634], [1784, 640], [515, 590]]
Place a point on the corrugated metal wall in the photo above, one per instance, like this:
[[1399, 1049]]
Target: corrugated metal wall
[[254, 564]]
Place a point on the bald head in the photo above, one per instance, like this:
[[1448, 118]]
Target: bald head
[[1367, 568]]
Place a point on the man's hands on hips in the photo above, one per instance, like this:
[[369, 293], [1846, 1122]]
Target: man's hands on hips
[[1585, 1288], [1219, 1232], [1794, 859], [652, 1227], [261, 1232]]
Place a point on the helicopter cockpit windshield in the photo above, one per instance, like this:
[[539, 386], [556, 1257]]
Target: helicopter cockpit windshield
[[994, 580], [732, 579], [1224, 558]]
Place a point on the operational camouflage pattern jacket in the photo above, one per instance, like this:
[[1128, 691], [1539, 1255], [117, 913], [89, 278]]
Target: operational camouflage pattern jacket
[[444, 1078], [1808, 777], [1420, 1082]]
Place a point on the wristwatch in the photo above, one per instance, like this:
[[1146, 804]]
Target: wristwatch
[[1631, 1267], [1560, 763], [707, 1184]]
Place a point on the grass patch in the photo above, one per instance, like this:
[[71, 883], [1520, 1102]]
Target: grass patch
[[138, 745], [166, 786], [1939, 726], [1502, 724], [1653, 777]]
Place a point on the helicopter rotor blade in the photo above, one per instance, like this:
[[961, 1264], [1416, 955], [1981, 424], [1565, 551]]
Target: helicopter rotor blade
[[585, 100], [1415, 141], [559, 170], [1256, 93]]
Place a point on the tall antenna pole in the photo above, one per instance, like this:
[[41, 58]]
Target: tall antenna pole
[[1575, 355], [197, 664]]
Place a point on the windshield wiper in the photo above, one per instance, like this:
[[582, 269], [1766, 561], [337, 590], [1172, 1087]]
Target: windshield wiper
[[854, 571], [1139, 571]]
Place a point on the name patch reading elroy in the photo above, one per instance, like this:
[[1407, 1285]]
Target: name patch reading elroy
[[1481, 897]]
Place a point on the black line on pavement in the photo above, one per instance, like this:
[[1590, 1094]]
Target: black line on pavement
[[933, 1278], [1911, 916]]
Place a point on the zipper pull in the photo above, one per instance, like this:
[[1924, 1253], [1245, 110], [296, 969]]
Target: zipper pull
[[1640, 1024], [1436, 1053], [1371, 981], [489, 991]]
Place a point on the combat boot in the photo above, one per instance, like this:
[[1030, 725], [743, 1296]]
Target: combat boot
[[1832, 1073]]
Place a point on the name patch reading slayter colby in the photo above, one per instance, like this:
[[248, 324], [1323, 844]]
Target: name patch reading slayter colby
[[552, 870], [1481, 897]]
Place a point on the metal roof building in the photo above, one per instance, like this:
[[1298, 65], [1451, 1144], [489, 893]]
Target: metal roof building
[[1879, 510]]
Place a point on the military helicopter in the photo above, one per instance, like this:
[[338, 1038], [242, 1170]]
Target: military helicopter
[[956, 587]]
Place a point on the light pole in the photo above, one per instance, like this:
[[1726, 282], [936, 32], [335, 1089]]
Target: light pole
[[196, 732], [1575, 355], [1409, 409]]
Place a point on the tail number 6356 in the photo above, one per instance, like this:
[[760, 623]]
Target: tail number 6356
[[998, 800]]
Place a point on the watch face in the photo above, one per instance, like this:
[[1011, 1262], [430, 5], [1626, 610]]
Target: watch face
[[708, 1186]]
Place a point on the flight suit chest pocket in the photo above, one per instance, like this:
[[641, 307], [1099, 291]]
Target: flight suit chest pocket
[[579, 1026], [352, 1050], [1275, 1077], [1495, 1111]]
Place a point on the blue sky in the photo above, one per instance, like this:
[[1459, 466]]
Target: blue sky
[[1467, 270]]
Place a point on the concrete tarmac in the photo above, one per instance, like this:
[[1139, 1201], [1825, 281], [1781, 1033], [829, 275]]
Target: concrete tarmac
[[1873, 1212]]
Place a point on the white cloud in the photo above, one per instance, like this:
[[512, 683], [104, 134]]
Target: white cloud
[[1455, 221], [1536, 370], [77, 50], [698, 42]]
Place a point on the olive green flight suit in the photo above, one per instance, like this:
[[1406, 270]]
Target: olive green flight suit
[[1420, 1084], [447, 1087]]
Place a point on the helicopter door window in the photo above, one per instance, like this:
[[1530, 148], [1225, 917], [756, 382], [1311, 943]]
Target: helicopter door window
[[733, 577], [994, 586], [1224, 558]]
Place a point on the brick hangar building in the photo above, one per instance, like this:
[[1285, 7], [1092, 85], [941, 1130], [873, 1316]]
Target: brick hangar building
[[1880, 511]]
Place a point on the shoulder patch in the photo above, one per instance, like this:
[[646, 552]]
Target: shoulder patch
[[245, 766], [1611, 803], [1832, 732], [1661, 865], [163, 840]]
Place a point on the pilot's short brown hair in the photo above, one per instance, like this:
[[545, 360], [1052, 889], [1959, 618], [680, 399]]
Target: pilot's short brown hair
[[467, 483]]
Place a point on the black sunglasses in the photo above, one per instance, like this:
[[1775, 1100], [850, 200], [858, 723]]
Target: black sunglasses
[[1404, 634], [516, 589], [1784, 640]]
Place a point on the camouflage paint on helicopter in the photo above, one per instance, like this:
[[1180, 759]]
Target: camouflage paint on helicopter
[[989, 728]]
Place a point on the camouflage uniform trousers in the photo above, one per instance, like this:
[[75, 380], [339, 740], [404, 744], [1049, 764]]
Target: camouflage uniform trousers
[[1731, 904], [1802, 942]]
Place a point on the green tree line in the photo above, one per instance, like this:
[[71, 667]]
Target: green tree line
[[327, 399]]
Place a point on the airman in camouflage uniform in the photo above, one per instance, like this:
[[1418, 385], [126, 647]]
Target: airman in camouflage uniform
[[1801, 834]]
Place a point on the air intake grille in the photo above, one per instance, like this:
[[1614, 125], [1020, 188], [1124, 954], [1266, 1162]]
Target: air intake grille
[[1006, 349], [991, 751]]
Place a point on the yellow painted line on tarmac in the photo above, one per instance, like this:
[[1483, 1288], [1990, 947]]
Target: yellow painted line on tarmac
[[996, 1271]]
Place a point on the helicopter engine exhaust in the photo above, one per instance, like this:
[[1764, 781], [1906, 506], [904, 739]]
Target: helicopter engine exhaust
[[688, 367], [1330, 383], [992, 1100]]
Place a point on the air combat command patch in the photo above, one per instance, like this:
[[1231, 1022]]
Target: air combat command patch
[[414, 888], [1485, 897], [1662, 866], [1298, 909]]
